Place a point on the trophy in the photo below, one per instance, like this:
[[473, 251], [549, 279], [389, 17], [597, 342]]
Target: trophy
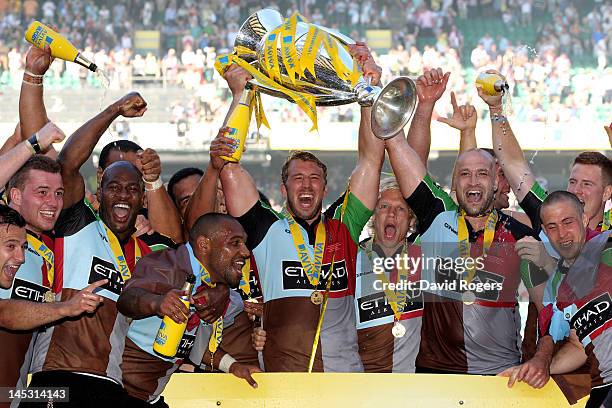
[[311, 66]]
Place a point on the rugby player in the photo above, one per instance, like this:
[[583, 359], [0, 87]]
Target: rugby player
[[215, 254], [22, 309], [84, 353], [590, 176], [469, 297], [582, 305], [295, 278]]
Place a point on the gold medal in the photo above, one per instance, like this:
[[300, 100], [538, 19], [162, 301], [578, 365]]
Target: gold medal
[[398, 330], [316, 297], [49, 297], [468, 297]]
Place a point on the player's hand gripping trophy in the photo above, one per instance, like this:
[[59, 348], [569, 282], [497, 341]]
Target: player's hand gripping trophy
[[311, 66]]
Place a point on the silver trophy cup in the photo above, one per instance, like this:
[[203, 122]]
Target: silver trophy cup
[[392, 106]]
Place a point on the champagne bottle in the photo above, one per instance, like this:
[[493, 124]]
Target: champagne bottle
[[238, 123], [492, 84], [39, 34], [170, 332]]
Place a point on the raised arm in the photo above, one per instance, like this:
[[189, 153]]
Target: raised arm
[[13, 159], [239, 188], [464, 120], [32, 112], [608, 130], [430, 87], [406, 163], [81, 143], [507, 149], [163, 214], [366, 176], [205, 196], [25, 315]]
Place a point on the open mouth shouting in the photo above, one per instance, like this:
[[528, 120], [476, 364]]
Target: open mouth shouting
[[9, 271], [473, 196], [121, 212], [305, 201]]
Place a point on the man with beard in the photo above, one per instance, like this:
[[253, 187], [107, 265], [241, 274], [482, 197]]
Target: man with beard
[[215, 254], [84, 353], [384, 346], [464, 119], [581, 310], [304, 257], [470, 272]]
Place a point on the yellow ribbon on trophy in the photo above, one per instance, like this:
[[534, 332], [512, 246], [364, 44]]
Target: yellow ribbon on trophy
[[311, 49], [271, 63], [331, 46], [290, 59], [305, 101]]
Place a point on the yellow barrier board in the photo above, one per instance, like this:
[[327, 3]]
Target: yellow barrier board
[[358, 390]]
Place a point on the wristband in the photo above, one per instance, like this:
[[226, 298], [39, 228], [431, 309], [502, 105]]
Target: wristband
[[154, 185], [33, 140], [226, 362], [32, 83], [30, 147], [33, 74]]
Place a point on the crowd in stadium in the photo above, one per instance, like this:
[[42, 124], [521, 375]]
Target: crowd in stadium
[[560, 69], [107, 293]]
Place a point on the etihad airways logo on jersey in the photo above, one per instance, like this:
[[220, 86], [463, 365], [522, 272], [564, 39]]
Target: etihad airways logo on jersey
[[375, 306], [592, 316], [101, 269], [185, 346], [25, 290], [294, 276], [254, 285]]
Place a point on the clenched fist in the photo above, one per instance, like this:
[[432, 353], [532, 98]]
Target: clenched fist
[[131, 105]]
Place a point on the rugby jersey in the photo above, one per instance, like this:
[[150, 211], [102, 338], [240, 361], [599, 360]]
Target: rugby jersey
[[380, 351], [146, 373], [90, 343], [31, 283], [482, 337], [584, 298], [290, 318]]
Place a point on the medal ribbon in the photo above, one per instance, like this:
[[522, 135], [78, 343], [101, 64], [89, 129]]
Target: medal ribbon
[[120, 260], [396, 300], [315, 342], [217, 327], [607, 220], [312, 269], [44, 251], [464, 237], [245, 284]]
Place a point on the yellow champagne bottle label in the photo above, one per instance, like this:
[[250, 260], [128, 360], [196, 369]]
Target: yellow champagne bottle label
[[238, 124], [40, 35], [169, 335], [492, 84]]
